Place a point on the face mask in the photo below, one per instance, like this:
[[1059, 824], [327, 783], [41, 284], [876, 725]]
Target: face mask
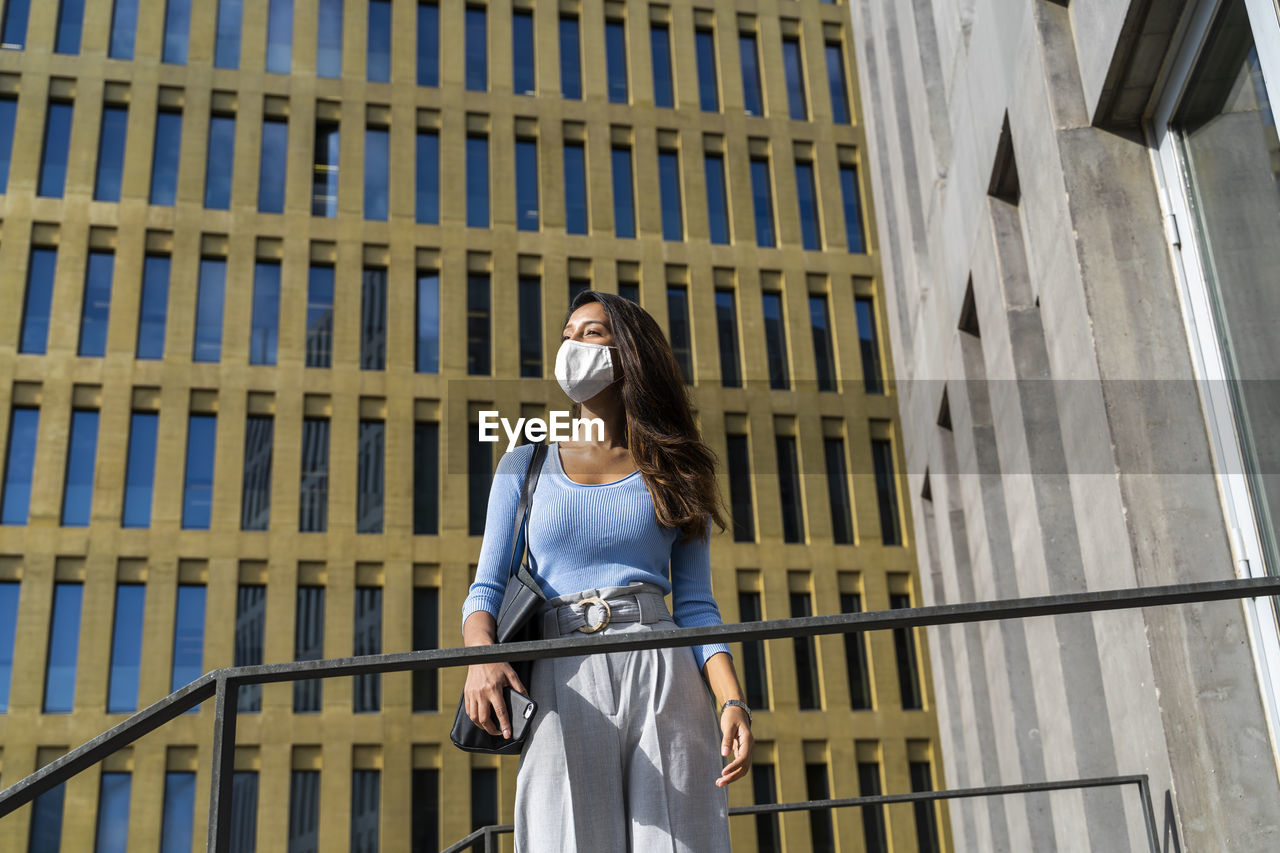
[[584, 370]]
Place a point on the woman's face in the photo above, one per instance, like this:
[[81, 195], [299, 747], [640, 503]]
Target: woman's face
[[589, 324]]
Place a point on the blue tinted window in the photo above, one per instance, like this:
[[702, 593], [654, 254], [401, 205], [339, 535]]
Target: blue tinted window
[[46, 820], [852, 209], [795, 78], [179, 812], [370, 476], [477, 55], [164, 163], [313, 503], [838, 84], [530, 308], [13, 31], [279, 36], [255, 481], [324, 185], [364, 809], [823, 351], [775, 339], [124, 27], [678, 330], [308, 642], [70, 23], [210, 293], [660, 53], [320, 317], [64, 645], [177, 26], [426, 203], [226, 50], [807, 199], [251, 628], [669, 181], [244, 811], [82, 451], [19, 465], [376, 165], [615, 40], [428, 334], [526, 185], [727, 330], [154, 307], [266, 313], [624, 208], [752, 99], [97, 304], [479, 348], [8, 115], [57, 140], [478, 181], [869, 346], [379, 41], [762, 198], [575, 188], [329, 39], [188, 636], [428, 44], [523, 72], [35, 314], [708, 84], [717, 200], [570, 59], [304, 810], [113, 813], [373, 319], [222, 146], [9, 591], [126, 649], [273, 165], [115, 126], [197, 494], [140, 470], [426, 489]]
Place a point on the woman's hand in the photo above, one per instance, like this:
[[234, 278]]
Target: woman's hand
[[484, 702], [736, 727]]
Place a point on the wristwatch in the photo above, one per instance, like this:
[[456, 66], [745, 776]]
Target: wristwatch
[[740, 704]]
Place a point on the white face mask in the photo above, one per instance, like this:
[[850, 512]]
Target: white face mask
[[583, 369]]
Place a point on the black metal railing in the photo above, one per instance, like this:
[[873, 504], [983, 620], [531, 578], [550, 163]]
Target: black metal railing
[[223, 685]]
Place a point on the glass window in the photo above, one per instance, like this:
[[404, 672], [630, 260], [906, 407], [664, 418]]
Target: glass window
[[615, 38], [377, 164], [904, 646], [220, 159], [426, 478], [576, 286], [304, 811], [320, 316], [477, 181], [478, 348], [308, 644], [373, 319], [754, 665], [427, 175], [869, 344], [272, 166], [9, 591], [807, 201], [837, 83], [313, 490], [428, 44], [838, 491], [808, 686], [153, 310], [255, 489], [764, 789], [364, 809], [823, 349], [672, 206], [708, 83], [370, 477], [484, 796], [70, 24], [886, 491], [575, 188], [126, 649], [425, 830], [164, 161], [115, 127], [23, 425], [39, 300], [789, 489], [209, 302], [251, 628], [477, 49], [717, 198], [925, 812], [426, 635], [624, 206], [427, 339], [678, 330], [727, 327], [762, 199], [244, 811], [630, 291], [852, 209], [570, 59], [57, 141], [367, 693], [279, 36], [660, 53], [526, 185], [329, 39], [752, 98], [873, 832], [64, 646], [794, 67], [82, 452], [775, 339], [177, 27], [822, 837], [855, 656], [140, 470], [8, 116], [197, 497], [226, 49], [530, 303], [13, 30], [124, 27], [379, 41], [479, 479], [46, 820], [265, 329], [176, 827], [97, 304], [324, 184], [740, 502], [523, 71]]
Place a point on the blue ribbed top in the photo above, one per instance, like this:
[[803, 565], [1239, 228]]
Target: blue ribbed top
[[591, 536]]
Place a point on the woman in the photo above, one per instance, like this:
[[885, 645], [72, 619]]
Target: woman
[[622, 753]]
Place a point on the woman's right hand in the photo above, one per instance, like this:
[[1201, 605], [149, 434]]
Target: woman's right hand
[[484, 702]]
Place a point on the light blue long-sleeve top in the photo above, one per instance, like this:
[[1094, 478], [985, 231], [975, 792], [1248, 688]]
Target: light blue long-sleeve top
[[591, 536]]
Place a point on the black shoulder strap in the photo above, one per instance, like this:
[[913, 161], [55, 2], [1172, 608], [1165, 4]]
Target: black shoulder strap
[[526, 496]]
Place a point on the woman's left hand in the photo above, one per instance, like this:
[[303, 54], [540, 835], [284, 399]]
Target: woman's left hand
[[737, 738]]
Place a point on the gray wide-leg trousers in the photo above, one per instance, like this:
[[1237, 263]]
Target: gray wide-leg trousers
[[624, 751]]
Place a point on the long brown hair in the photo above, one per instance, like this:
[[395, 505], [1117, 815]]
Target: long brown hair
[[677, 466]]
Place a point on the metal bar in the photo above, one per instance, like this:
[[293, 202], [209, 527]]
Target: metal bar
[[469, 841], [1149, 813], [490, 840], [224, 767]]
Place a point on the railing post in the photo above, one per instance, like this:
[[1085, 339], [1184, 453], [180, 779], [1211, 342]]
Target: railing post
[[490, 840], [1149, 812], [224, 766]]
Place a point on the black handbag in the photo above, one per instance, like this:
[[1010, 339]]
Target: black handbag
[[515, 623]]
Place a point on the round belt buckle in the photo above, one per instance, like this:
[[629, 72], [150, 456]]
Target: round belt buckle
[[586, 603]]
